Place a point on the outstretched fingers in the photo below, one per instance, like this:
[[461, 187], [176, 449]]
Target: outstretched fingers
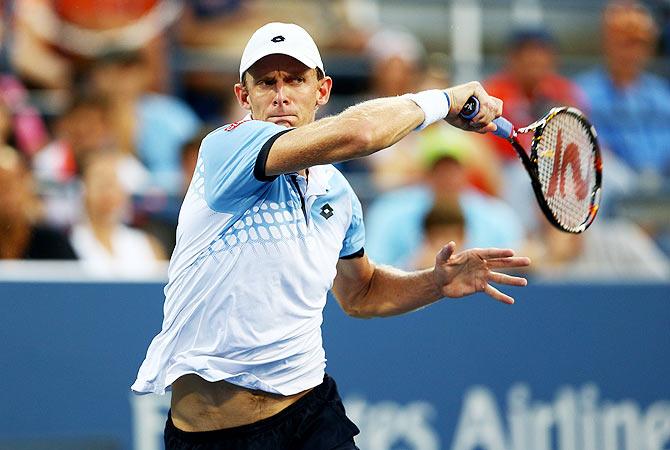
[[493, 253], [502, 278], [497, 295], [514, 261]]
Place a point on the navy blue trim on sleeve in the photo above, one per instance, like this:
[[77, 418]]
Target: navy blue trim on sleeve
[[262, 158], [358, 254]]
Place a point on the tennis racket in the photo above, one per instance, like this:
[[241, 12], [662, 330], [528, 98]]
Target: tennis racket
[[564, 164]]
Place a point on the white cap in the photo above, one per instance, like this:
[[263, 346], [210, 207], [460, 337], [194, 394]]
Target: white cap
[[283, 38]]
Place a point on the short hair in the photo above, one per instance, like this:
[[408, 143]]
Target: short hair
[[85, 100], [119, 57], [444, 213]]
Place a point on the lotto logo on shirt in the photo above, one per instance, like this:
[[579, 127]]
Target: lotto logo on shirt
[[327, 211]]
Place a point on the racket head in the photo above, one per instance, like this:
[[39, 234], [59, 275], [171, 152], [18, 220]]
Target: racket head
[[568, 168]]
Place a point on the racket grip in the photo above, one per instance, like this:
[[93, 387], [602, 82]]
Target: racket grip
[[505, 128], [470, 110]]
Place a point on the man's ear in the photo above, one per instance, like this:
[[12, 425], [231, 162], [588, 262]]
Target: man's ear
[[242, 96], [323, 92]]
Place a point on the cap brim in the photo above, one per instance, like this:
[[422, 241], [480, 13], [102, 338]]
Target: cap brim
[[267, 52]]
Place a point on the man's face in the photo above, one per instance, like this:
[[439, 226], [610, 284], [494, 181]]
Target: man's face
[[86, 129], [282, 90], [531, 63], [629, 38], [447, 177], [104, 195], [121, 81]]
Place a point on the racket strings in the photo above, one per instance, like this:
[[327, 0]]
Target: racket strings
[[565, 160]]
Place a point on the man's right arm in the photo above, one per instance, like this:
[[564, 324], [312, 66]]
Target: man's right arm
[[368, 127]]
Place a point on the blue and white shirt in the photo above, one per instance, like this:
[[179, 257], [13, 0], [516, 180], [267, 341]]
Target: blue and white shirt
[[254, 261], [632, 121]]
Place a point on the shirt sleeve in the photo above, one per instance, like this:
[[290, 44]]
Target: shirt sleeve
[[354, 239], [230, 155]]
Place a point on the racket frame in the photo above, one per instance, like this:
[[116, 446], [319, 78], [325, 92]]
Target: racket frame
[[530, 163]]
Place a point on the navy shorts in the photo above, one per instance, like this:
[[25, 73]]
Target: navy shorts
[[316, 421]]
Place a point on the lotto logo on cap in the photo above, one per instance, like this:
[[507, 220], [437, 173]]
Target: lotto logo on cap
[[281, 38]]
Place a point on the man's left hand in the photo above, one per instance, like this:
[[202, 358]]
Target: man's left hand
[[470, 271]]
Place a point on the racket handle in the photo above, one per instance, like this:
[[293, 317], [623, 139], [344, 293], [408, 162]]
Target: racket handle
[[470, 110], [505, 128]]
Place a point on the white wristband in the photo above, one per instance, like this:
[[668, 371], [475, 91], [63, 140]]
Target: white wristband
[[434, 103]]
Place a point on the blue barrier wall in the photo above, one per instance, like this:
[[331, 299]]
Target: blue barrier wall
[[566, 367]]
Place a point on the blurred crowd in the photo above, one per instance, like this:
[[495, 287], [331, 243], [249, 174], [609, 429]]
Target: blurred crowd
[[100, 133]]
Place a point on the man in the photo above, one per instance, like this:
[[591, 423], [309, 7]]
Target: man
[[623, 95], [529, 84], [266, 229], [151, 126], [23, 235]]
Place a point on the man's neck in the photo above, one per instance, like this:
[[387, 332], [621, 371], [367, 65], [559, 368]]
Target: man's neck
[[622, 77]]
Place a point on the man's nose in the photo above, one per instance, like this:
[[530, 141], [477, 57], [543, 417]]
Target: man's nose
[[280, 94]]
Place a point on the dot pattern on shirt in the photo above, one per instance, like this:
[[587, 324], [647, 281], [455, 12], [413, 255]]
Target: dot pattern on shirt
[[197, 187], [265, 223]]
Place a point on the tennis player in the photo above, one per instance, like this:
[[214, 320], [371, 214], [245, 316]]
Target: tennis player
[[267, 228]]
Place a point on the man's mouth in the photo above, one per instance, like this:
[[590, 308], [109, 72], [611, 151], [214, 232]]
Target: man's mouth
[[286, 119]]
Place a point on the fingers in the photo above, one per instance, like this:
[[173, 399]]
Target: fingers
[[490, 253], [516, 261], [497, 295], [489, 128], [445, 253], [502, 278], [489, 107]]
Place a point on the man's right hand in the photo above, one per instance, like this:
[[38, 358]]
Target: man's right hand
[[489, 107]]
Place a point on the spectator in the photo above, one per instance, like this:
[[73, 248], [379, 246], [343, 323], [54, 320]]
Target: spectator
[[443, 223], [529, 84], [529, 87], [23, 236], [82, 130], [623, 97], [151, 126], [206, 27], [396, 68], [397, 62], [101, 239], [396, 216]]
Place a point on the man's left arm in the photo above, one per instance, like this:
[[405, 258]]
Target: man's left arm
[[364, 289]]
